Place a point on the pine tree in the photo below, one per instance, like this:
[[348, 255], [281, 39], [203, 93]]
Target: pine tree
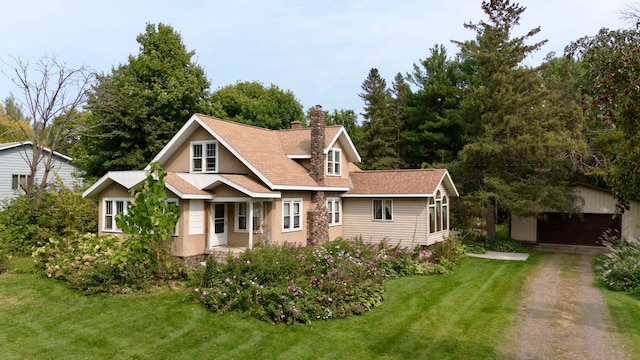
[[432, 131], [381, 128], [516, 158]]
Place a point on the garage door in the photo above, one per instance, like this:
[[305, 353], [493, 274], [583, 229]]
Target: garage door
[[575, 231]]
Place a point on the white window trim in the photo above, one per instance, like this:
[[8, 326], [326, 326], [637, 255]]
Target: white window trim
[[125, 210], [333, 207], [336, 154], [258, 216], [204, 144], [440, 202], [291, 222], [373, 209]]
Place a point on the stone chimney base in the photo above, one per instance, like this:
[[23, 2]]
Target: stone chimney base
[[318, 220]]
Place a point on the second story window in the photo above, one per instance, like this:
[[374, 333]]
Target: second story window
[[204, 156], [333, 162]]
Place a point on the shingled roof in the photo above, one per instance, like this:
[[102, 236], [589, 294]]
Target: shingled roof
[[400, 183]]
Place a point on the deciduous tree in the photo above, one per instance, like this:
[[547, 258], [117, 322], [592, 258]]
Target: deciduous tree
[[253, 103], [146, 101], [51, 97], [612, 95]]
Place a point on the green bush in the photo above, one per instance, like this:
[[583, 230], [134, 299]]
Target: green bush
[[93, 264], [29, 221], [620, 268], [293, 284], [4, 260]]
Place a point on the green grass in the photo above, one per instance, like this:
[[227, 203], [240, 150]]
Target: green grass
[[455, 316], [625, 311]]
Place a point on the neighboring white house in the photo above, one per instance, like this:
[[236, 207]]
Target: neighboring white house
[[14, 168]]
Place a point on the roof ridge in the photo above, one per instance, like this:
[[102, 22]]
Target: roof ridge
[[236, 122], [393, 170]]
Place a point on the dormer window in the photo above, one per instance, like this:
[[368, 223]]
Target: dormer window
[[333, 162], [204, 156]]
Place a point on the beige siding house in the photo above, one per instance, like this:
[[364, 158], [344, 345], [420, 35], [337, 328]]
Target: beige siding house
[[597, 206], [241, 186]]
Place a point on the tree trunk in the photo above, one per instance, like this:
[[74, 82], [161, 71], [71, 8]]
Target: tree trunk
[[491, 219]]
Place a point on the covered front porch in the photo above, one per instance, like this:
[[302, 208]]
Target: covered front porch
[[238, 224]]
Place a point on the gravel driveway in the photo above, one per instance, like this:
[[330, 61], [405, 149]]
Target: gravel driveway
[[563, 316]]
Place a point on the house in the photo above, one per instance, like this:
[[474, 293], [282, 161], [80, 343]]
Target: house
[[598, 208], [239, 185], [15, 169]]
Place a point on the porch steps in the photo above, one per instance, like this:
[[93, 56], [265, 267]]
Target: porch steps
[[221, 252]]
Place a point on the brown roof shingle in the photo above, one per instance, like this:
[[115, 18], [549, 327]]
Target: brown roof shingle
[[395, 182], [266, 150]]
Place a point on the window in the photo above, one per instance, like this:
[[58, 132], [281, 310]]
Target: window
[[18, 181], [383, 210], [204, 156], [432, 215], [445, 214], [333, 162], [333, 207], [291, 214], [113, 207], [242, 216], [438, 213]]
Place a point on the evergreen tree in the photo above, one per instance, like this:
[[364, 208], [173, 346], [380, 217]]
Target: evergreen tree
[[516, 160], [379, 130], [143, 102], [432, 132]]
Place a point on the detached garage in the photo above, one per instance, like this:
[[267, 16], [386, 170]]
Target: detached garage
[[598, 207]]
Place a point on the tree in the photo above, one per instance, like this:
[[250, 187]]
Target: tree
[[253, 103], [51, 100], [516, 158], [145, 102], [612, 95], [13, 124], [380, 128], [151, 221], [432, 132]]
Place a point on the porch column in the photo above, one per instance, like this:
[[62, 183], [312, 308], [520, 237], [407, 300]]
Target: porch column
[[250, 225]]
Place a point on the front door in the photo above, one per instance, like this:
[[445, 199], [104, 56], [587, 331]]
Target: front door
[[218, 232]]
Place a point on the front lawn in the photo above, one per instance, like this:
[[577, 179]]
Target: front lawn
[[452, 316]]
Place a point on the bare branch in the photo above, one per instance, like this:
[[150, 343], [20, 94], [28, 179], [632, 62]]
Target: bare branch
[[53, 93]]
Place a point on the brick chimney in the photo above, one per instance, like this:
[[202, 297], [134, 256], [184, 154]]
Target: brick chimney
[[317, 143], [296, 125]]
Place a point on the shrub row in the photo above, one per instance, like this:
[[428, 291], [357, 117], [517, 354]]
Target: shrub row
[[93, 264], [294, 284], [29, 221]]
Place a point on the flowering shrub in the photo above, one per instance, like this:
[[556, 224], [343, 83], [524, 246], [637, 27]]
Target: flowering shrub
[[294, 284], [93, 264], [620, 268]]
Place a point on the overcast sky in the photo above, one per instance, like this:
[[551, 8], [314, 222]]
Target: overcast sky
[[320, 50]]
